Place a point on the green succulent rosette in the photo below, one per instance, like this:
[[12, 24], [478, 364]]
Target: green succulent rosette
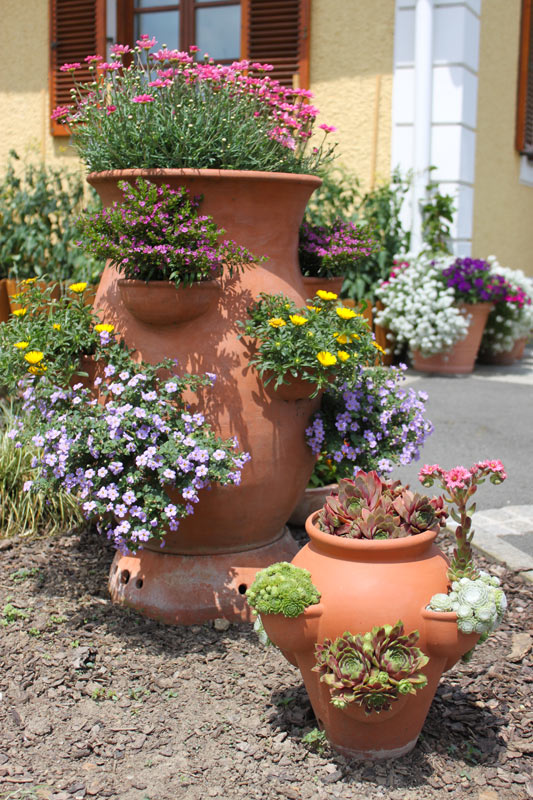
[[372, 669], [284, 589]]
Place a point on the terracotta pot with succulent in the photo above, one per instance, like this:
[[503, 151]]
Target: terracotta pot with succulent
[[239, 140], [370, 423], [438, 307], [361, 613]]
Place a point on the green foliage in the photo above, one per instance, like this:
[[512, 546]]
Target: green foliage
[[282, 589], [23, 574], [39, 225], [23, 514], [47, 335], [317, 343], [10, 613], [437, 216], [164, 230], [371, 669], [315, 739]]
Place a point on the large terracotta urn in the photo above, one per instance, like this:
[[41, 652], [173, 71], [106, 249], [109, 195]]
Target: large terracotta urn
[[205, 567], [365, 583]]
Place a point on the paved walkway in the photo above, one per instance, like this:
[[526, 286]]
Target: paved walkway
[[488, 414]]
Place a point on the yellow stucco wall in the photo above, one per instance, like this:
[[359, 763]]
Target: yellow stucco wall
[[351, 76], [24, 97], [503, 208]]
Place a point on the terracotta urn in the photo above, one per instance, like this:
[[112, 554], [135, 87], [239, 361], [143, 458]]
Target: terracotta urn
[[205, 567], [460, 359], [365, 583]]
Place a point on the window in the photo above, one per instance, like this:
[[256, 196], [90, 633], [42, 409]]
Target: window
[[77, 29], [524, 117], [269, 31]]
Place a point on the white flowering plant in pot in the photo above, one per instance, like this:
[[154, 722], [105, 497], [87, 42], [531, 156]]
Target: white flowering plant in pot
[[419, 309], [512, 317]]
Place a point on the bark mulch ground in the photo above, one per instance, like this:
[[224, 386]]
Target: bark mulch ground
[[97, 701]]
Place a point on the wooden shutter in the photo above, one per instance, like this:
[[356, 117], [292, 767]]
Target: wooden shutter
[[524, 118], [77, 30], [277, 32]]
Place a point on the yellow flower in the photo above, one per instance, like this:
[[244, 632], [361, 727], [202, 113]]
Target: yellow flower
[[77, 287], [21, 345], [296, 319], [104, 326], [276, 322], [16, 296], [326, 295], [378, 347], [314, 308], [34, 356], [56, 326], [19, 312], [343, 355], [345, 313], [341, 338], [354, 337], [326, 359], [29, 280], [37, 370]]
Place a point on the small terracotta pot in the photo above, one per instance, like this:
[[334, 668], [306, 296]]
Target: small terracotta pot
[[295, 389], [4, 301], [313, 285], [462, 356], [160, 303], [519, 347], [364, 583], [311, 501]]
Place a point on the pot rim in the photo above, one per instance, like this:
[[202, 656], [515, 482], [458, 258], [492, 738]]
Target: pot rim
[[134, 283], [215, 174], [406, 545]]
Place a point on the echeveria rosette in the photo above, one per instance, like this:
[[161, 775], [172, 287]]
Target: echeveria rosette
[[479, 604], [459, 484], [322, 343], [121, 456], [284, 589], [156, 233], [372, 669], [369, 507]]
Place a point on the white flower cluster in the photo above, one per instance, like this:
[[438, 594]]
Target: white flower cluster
[[419, 309], [479, 605], [505, 326]]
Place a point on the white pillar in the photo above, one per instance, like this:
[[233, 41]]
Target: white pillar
[[422, 116]]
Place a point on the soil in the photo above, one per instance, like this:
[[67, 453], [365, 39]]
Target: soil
[[97, 701]]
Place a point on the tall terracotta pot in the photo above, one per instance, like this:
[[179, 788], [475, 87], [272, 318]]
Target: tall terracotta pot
[[364, 583], [4, 301], [206, 566], [462, 356]]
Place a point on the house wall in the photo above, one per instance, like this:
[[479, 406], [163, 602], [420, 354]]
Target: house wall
[[24, 85], [351, 76], [503, 202]]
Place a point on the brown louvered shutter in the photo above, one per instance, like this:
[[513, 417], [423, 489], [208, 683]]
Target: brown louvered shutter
[[277, 32], [77, 30], [524, 117]]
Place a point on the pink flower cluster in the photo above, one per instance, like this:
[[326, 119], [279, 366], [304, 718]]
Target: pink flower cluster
[[461, 477]]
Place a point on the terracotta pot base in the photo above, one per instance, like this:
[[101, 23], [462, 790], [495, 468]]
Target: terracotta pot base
[[184, 590], [375, 755]]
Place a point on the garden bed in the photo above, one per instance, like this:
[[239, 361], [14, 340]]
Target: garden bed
[[97, 701]]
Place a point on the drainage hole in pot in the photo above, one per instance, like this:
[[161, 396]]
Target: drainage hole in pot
[[139, 583], [242, 588], [124, 576]]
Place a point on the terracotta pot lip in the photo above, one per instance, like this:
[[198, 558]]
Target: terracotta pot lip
[[137, 284], [439, 616], [481, 304], [318, 489], [215, 174], [367, 546]]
